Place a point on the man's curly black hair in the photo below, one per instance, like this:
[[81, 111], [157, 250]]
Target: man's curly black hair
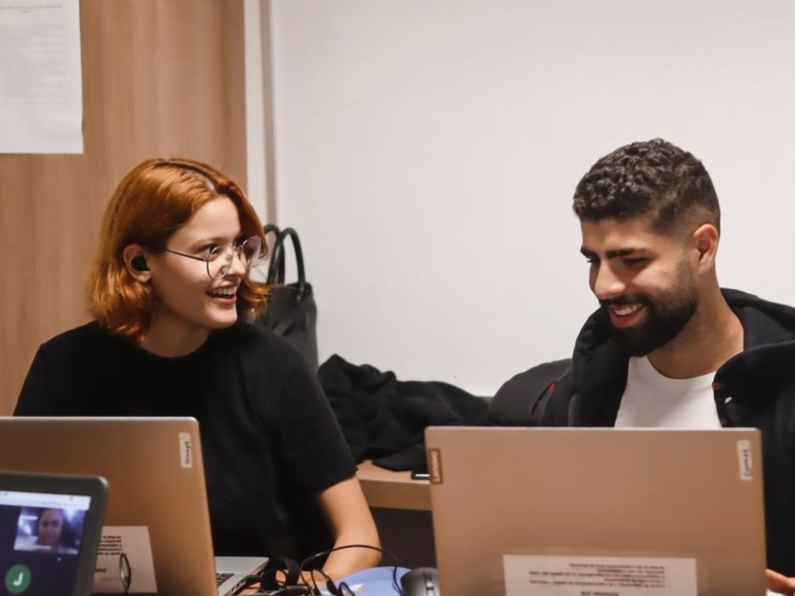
[[653, 179]]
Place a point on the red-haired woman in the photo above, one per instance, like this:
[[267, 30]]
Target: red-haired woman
[[168, 292]]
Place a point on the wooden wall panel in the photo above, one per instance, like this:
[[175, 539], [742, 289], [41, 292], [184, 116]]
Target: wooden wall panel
[[160, 78]]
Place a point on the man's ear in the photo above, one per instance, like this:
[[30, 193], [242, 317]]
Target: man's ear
[[705, 241], [135, 261]]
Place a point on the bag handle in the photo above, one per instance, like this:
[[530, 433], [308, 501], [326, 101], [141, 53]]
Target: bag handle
[[276, 267], [273, 228]]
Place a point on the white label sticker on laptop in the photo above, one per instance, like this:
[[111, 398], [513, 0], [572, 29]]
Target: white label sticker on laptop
[[185, 450], [540, 575], [133, 541], [744, 457]]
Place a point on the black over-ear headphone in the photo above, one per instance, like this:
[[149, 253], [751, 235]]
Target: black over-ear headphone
[[294, 584], [290, 586], [139, 263]]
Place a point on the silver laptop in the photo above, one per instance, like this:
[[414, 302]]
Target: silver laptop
[[530, 511], [155, 475]]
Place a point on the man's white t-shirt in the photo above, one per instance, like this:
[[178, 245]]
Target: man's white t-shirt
[[653, 400]]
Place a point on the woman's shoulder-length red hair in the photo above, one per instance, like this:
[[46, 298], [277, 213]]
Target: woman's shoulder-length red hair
[[152, 202]]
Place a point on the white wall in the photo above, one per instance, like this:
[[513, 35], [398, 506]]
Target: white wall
[[427, 153]]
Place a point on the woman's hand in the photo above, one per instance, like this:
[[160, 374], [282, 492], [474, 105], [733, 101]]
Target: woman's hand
[[780, 584]]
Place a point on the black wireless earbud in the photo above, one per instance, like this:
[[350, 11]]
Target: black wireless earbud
[[139, 263]]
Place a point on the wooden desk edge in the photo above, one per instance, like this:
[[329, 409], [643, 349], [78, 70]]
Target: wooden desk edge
[[393, 490]]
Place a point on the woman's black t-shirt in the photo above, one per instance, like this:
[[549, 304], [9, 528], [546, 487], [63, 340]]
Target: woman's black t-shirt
[[270, 441]]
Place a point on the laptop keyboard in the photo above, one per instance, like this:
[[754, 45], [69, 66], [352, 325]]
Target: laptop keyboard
[[222, 577]]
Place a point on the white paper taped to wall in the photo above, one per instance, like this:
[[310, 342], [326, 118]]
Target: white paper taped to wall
[[134, 542], [41, 89], [539, 575]]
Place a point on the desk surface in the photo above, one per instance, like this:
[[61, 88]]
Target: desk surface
[[393, 490]]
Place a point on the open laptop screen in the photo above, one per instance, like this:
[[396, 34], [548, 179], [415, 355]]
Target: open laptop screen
[[42, 540]]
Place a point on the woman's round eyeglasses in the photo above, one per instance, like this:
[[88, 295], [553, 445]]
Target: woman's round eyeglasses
[[219, 260]]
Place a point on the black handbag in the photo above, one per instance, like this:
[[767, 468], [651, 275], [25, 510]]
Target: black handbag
[[291, 311]]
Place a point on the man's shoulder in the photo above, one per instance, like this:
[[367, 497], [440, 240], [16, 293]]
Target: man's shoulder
[[755, 311], [765, 324]]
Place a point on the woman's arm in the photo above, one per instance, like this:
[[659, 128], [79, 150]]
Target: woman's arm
[[351, 522], [312, 449]]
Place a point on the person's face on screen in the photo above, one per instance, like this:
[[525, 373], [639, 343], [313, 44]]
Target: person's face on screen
[[642, 279], [185, 293], [50, 527]]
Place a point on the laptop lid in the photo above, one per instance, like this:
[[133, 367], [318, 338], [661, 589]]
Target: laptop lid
[[156, 476], [50, 526], [513, 507]]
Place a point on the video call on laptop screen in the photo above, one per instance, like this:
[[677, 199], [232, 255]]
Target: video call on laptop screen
[[40, 538]]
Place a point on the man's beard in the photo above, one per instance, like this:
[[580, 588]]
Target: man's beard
[[666, 315]]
